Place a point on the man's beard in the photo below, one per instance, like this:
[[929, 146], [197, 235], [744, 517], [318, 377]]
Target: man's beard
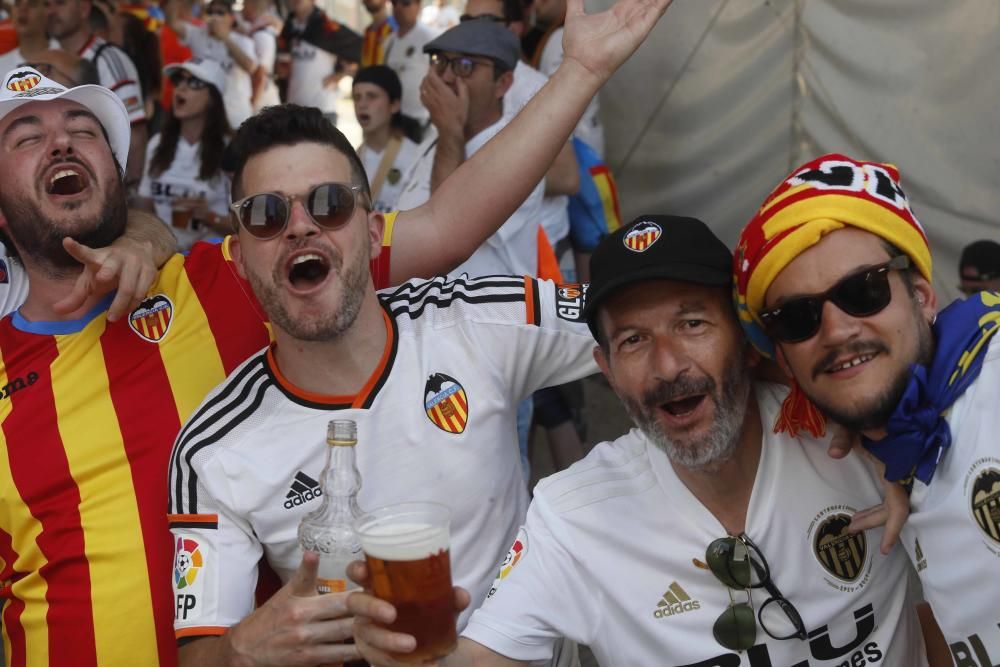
[[718, 444], [329, 327], [41, 241], [875, 413]]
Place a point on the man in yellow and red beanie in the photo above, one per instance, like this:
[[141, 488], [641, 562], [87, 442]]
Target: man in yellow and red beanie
[[833, 279]]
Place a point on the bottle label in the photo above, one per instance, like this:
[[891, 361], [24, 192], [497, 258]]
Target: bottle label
[[324, 586]]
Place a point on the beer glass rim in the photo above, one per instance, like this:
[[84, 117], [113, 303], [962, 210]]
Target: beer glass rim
[[433, 516]]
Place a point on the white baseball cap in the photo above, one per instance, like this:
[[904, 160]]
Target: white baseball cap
[[208, 71], [23, 85]]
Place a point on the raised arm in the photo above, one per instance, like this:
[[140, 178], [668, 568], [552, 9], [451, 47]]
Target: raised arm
[[444, 232]]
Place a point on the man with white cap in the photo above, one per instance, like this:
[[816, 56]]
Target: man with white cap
[[93, 405]]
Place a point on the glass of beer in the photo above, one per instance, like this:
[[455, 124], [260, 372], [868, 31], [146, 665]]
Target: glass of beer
[[406, 546], [180, 215]]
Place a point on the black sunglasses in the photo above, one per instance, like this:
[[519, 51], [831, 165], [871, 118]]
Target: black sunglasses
[[183, 78], [860, 294], [739, 564], [264, 215]]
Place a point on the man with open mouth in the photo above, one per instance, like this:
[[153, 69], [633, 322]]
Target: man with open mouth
[[834, 279], [700, 536]]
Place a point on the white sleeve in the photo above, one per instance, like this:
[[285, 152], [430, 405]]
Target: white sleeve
[[215, 556], [13, 284], [247, 47], [267, 49], [539, 595], [552, 54], [146, 184], [117, 72]]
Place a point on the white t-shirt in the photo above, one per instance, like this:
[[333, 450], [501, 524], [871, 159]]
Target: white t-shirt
[[589, 129], [392, 186], [13, 283], [241, 464], [265, 43], [116, 71], [181, 180], [610, 555], [512, 249], [310, 65], [553, 214], [953, 533], [239, 85], [405, 55]]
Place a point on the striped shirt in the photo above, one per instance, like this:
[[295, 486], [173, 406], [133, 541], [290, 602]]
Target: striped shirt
[[117, 72], [373, 47]]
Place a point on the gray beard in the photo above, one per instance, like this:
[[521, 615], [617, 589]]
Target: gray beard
[[715, 447]]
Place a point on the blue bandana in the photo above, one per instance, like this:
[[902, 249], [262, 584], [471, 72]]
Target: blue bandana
[[918, 433]]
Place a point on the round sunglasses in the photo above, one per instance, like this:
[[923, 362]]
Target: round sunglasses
[[265, 215], [861, 294], [183, 78], [738, 563]]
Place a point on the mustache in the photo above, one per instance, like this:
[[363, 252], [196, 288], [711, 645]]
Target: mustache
[[855, 348], [665, 392]]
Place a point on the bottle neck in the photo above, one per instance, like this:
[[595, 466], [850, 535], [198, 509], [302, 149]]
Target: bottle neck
[[341, 480]]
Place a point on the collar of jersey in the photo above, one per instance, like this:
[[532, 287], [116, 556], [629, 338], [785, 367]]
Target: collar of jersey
[[362, 399], [61, 327]]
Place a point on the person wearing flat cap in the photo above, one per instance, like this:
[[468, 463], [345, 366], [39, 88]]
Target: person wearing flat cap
[[471, 68]]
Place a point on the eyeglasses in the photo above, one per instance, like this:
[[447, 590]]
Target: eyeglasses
[[265, 215], [217, 12], [860, 294], [403, 3], [192, 82], [461, 66], [739, 564], [483, 17]]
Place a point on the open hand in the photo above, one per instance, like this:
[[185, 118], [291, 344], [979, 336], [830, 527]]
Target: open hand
[[448, 108], [601, 42]]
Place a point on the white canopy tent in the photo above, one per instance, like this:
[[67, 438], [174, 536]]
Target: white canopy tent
[[727, 96]]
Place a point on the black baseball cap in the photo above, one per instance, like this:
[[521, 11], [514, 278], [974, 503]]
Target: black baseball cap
[[656, 247], [980, 261]]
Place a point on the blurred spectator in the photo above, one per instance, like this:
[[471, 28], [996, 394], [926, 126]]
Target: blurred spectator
[[545, 51], [216, 40], [471, 69], [184, 183], [377, 33], [979, 267], [439, 15], [68, 22], [309, 48], [390, 147], [172, 50], [260, 27], [404, 53], [29, 26], [143, 47], [65, 68]]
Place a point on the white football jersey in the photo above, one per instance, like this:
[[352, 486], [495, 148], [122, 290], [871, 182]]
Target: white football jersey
[[613, 556], [436, 422], [239, 85], [953, 533], [116, 71], [406, 57], [395, 177]]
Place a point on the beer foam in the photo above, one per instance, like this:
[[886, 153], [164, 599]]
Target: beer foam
[[403, 541]]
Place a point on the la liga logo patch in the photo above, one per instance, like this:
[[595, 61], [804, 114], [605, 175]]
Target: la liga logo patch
[[510, 561], [151, 320], [445, 403], [188, 562], [642, 235]]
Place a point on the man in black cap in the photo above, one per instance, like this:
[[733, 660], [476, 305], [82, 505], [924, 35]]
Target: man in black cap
[[979, 268], [652, 549]]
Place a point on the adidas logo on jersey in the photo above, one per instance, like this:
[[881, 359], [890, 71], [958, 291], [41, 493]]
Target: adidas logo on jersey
[[304, 488], [675, 601]]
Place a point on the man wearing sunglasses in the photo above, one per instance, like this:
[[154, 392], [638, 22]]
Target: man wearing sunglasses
[[834, 278], [432, 372], [652, 549]]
